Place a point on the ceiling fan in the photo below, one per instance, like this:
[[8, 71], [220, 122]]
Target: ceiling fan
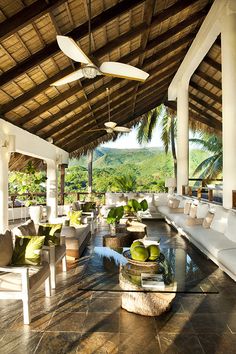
[[89, 69], [111, 127]]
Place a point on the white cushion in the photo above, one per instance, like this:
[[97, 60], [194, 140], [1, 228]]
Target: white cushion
[[193, 211], [228, 259], [173, 203], [202, 210], [211, 240], [187, 206], [219, 221], [230, 231]]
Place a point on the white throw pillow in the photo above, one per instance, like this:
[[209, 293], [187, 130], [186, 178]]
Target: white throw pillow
[[230, 231], [193, 211], [219, 221], [173, 203], [187, 206], [202, 210]]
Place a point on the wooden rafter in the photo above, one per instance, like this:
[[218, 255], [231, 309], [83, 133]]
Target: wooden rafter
[[78, 33]]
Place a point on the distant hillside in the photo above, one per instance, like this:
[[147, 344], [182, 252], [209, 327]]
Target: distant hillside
[[148, 161]]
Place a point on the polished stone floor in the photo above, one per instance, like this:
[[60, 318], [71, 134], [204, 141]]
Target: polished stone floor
[[74, 321]]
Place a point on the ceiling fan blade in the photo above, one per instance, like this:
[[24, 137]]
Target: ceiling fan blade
[[125, 71], [72, 50], [122, 129], [76, 75]]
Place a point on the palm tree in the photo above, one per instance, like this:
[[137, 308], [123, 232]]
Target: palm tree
[[211, 167], [167, 120], [125, 183]]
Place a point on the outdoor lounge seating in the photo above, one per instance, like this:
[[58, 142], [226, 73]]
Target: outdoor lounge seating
[[76, 239], [57, 252], [20, 282], [217, 241]]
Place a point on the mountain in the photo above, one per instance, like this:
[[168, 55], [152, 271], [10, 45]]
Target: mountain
[[144, 161]]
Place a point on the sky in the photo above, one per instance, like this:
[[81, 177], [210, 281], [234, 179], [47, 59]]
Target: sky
[[129, 141]]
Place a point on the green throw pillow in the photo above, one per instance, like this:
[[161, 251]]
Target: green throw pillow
[[27, 250], [51, 232], [75, 217], [88, 206]]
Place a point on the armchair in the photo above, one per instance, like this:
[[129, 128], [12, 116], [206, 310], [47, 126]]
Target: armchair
[[19, 282]]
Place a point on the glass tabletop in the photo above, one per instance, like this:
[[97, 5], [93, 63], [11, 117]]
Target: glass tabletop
[[174, 272]]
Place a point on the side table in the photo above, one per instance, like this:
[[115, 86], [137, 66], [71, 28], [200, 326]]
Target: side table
[[118, 240]]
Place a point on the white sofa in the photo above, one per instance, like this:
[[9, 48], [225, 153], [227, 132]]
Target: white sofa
[[76, 239], [218, 242]]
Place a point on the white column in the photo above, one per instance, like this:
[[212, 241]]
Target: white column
[[182, 137], [4, 161], [228, 50], [52, 189]]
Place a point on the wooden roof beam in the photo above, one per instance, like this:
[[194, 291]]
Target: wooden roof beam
[[27, 15], [208, 78], [131, 117], [77, 33], [161, 76], [82, 30], [213, 123], [217, 99], [206, 105], [117, 111], [94, 94], [86, 82]]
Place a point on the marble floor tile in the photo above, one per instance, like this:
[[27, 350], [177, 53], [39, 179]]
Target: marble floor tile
[[59, 343], [139, 343], [99, 343], [101, 322], [180, 343]]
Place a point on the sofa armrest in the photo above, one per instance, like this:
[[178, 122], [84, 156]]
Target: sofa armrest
[[11, 269], [62, 240]]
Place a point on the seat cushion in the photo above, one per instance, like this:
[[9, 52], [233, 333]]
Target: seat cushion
[[219, 221], [211, 240], [228, 259], [6, 248], [230, 231], [12, 281]]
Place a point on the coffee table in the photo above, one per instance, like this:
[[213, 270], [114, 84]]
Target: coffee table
[[108, 270]]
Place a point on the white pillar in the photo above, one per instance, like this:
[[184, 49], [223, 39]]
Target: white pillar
[[52, 189], [4, 161], [182, 137], [228, 50]]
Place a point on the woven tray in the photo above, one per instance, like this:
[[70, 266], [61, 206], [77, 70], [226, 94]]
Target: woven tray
[[127, 255]]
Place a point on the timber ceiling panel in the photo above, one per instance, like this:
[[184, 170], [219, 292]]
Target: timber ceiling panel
[[151, 34]]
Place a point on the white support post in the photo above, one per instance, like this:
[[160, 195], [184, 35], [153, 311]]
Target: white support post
[[52, 189], [4, 161], [228, 50], [182, 137]]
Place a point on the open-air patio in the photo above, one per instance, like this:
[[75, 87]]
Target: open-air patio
[[75, 321], [161, 277]]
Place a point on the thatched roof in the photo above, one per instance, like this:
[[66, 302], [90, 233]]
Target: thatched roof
[[153, 35]]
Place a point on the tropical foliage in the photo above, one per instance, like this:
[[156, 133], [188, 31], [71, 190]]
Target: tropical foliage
[[167, 121], [211, 167]]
